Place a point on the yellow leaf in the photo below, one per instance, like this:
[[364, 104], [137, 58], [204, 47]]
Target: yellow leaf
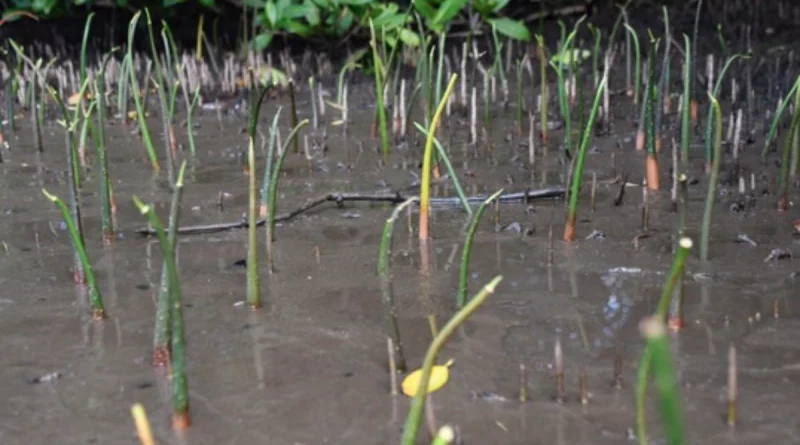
[[439, 376]]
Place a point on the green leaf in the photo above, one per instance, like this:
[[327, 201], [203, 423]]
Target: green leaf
[[499, 5], [511, 28], [345, 22], [262, 41], [425, 9], [312, 16], [272, 13], [296, 11], [448, 10], [409, 38], [296, 27], [355, 2], [254, 3]]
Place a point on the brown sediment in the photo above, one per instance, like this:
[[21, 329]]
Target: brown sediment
[[180, 420], [262, 211], [161, 357], [651, 167], [658, 143], [639, 140], [693, 110], [437, 171]]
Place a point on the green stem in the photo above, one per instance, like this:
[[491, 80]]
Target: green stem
[[161, 334], [577, 174], [381, 109], [180, 390], [163, 98], [773, 129], [98, 312], [687, 103], [664, 379], [461, 298], [709, 120], [705, 230], [417, 404], [295, 143], [273, 183], [384, 263], [675, 276], [450, 170], [637, 69], [137, 100]]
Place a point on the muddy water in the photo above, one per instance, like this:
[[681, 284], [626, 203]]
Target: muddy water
[[311, 367]]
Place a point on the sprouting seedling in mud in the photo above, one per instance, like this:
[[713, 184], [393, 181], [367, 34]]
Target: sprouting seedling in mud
[[387, 293], [461, 298], [417, 404], [73, 173], [713, 179], [577, 174], [651, 132], [163, 329], [379, 85], [425, 185], [566, 57], [98, 311], [675, 276], [253, 280], [141, 117], [180, 388]]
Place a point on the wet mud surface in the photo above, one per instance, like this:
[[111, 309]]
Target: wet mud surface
[[310, 368]]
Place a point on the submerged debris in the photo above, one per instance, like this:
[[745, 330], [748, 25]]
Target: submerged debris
[[778, 253], [44, 378], [489, 396], [743, 238], [596, 234]]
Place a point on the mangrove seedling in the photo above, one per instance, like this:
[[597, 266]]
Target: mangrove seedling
[[425, 185], [384, 264], [461, 299], [273, 189], [378, 69], [161, 334], [98, 311], [705, 230], [710, 118], [651, 100], [674, 277], [577, 174], [180, 384], [137, 95], [417, 404], [664, 379]]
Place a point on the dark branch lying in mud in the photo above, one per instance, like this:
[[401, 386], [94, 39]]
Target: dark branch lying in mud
[[393, 198]]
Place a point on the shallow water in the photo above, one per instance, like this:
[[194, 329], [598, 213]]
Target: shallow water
[[311, 366]]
